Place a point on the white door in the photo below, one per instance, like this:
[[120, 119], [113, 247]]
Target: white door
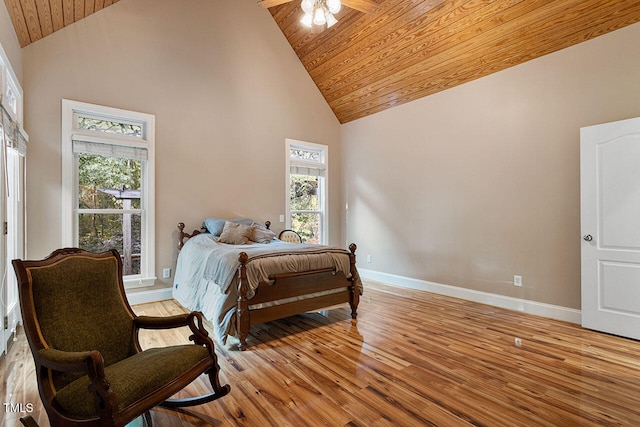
[[4, 267], [13, 236], [610, 224]]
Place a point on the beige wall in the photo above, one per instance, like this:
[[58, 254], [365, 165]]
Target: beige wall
[[9, 42], [473, 185], [226, 90], [484, 180]]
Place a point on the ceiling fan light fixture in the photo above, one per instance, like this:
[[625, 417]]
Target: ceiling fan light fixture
[[307, 6], [319, 17], [307, 20], [320, 13], [334, 6], [331, 20]]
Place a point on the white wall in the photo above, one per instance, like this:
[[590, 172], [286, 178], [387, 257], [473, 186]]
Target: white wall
[[226, 89], [473, 185]]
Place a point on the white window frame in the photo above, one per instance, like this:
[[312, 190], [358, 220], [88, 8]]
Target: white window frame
[[11, 94], [323, 184], [70, 111]]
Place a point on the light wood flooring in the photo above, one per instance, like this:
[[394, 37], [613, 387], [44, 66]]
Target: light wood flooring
[[412, 359]]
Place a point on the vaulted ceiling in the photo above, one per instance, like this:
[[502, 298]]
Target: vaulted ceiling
[[405, 49], [35, 19]]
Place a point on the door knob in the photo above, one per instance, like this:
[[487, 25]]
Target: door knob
[[588, 237]]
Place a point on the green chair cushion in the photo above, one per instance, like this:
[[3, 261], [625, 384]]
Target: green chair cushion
[[133, 378]]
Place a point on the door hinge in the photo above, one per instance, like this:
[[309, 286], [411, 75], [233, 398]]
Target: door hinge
[[5, 228], [6, 322]]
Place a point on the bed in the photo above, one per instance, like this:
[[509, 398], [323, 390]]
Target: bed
[[239, 282]]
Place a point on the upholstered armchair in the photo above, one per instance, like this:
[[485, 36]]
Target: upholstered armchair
[[83, 335]]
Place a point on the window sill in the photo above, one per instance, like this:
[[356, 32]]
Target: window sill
[[138, 282]]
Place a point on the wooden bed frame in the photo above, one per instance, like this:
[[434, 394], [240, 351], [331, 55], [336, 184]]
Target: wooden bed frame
[[287, 286]]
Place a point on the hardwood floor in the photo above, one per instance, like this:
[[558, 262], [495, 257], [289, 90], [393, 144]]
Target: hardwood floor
[[413, 358]]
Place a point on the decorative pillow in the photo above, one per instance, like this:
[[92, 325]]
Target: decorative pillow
[[215, 225], [260, 234], [235, 233]]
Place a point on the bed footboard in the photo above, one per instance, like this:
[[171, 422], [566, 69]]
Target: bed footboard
[[290, 286]]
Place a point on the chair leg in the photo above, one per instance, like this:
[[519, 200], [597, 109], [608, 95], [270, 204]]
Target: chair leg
[[28, 421]]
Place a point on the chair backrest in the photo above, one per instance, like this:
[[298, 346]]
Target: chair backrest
[[74, 300], [290, 236]]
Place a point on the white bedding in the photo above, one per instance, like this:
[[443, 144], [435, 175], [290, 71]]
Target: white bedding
[[206, 268]]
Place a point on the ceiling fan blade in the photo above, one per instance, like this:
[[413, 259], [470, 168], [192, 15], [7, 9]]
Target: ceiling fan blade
[[366, 6], [270, 3]]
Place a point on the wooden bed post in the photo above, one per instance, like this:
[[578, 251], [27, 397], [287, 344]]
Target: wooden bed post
[[243, 322], [354, 299], [182, 235]]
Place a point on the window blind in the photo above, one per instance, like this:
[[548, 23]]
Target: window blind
[[307, 170], [109, 150], [12, 134]]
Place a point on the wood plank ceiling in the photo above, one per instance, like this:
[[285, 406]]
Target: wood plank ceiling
[[35, 19], [406, 49], [409, 49]]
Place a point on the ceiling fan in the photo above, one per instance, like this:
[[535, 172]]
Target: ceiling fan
[[318, 13]]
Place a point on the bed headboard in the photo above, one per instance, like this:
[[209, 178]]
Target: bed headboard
[[182, 236]]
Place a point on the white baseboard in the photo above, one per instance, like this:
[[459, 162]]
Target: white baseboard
[[149, 296], [532, 307]]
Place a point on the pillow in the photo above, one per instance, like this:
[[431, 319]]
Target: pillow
[[235, 233], [215, 225], [247, 221], [261, 234]]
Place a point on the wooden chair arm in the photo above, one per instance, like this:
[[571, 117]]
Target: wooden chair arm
[[66, 361], [167, 322], [200, 334], [193, 320], [89, 362]]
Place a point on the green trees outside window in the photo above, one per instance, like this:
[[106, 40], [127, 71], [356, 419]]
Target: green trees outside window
[[304, 204], [307, 171], [109, 207]]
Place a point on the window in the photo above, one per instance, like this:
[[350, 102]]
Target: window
[[108, 185], [307, 175], [11, 95]]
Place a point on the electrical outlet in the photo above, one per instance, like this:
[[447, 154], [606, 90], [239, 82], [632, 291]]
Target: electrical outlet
[[368, 258], [517, 280], [166, 273], [281, 218]]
